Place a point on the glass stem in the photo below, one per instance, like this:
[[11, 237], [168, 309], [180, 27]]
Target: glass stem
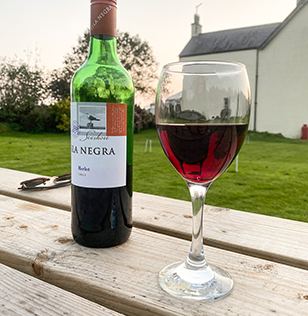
[[196, 258]]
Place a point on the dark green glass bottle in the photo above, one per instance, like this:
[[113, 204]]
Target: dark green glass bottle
[[102, 113]]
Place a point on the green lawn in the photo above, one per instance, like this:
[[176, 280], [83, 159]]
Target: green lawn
[[272, 177], [47, 154]]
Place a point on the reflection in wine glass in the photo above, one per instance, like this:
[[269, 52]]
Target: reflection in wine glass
[[201, 128]]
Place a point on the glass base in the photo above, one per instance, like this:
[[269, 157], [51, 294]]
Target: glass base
[[205, 283]]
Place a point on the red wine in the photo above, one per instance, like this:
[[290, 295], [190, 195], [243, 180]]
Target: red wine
[[201, 152], [102, 217]]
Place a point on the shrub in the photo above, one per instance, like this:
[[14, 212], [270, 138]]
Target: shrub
[[61, 114], [143, 119], [4, 128], [39, 120]]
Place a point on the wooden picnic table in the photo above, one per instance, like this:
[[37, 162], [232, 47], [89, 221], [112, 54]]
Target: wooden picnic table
[[44, 272]]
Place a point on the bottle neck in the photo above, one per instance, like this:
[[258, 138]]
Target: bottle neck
[[103, 17], [103, 50]]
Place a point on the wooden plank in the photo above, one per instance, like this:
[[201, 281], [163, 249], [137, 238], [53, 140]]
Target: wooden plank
[[22, 294], [37, 240], [10, 182], [266, 237]]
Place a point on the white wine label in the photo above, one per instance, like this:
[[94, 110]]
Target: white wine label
[[98, 144]]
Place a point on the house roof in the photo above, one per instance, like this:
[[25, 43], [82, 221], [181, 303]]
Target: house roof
[[175, 97], [229, 40], [299, 6], [236, 39]]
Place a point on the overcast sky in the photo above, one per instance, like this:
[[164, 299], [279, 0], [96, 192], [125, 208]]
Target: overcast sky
[[52, 27]]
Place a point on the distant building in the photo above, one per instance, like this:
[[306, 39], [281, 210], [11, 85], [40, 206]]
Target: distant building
[[151, 109], [276, 57]]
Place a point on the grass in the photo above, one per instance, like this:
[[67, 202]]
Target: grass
[[272, 179], [272, 176], [46, 154]]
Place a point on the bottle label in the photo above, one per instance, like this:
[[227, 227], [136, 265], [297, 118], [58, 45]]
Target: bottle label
[[98, 144]]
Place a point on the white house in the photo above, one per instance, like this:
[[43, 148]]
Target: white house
[[276, 57]]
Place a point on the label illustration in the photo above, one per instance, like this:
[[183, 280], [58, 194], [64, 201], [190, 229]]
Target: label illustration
[[98, 144]]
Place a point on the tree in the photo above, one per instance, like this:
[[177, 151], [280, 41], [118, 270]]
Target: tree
[[21, 90], [59, 84], [137, 58], [135, 55]]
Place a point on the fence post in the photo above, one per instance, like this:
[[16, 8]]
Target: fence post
[[148, 142], [236, 164]]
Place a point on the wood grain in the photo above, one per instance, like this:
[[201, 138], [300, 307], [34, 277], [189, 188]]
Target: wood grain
[[10, 182], [37, 240], [22, 294], [266, 237]]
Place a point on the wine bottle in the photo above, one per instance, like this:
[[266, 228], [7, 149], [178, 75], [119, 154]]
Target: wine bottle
[[102, 108]]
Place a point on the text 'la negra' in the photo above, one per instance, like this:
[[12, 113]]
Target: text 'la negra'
[[97, 151]]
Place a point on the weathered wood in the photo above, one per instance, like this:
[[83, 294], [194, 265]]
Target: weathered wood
[[266, 237], [22, 294], [37, 240], [280, 240], [10, 182]]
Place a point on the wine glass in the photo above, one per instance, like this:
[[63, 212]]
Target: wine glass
[[202, 116]]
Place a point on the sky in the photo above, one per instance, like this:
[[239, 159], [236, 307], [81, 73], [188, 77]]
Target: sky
[[42, 32]]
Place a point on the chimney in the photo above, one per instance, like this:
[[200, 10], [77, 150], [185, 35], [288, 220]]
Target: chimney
[[196, 28]]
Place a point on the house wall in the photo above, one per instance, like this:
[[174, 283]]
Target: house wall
[[283, 80], [246, 57]]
